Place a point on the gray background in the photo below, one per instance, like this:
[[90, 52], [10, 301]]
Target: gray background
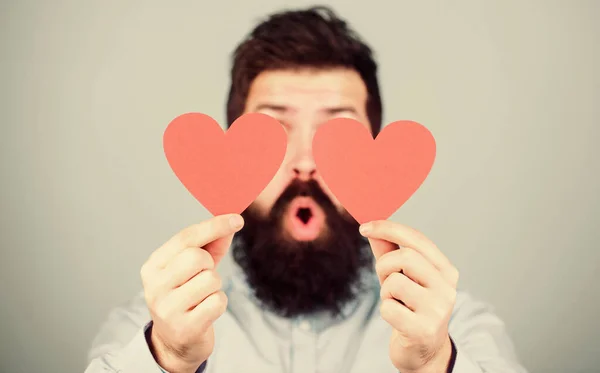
[[510, 90]]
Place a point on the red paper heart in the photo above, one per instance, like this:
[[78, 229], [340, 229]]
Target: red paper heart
[[225, 171], [372, 178]]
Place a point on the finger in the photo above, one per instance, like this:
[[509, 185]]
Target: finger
[[195, 291], [215, 251], [380, 247], [402, 235], [411, 263], [399, 234], [196, 235], [398, 316], [208, 311], [399, 287], [184, 266], [218, 248]]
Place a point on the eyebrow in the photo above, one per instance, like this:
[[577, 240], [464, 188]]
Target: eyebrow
[[330, 111], [340, 109], [277, 108]]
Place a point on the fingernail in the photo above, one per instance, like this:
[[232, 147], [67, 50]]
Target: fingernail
[[236, 221], [365, 229]]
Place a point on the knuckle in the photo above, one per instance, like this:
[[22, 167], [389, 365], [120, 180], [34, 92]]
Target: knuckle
[[223, 301], [407, 253], [216, 299], [380, 266], [397, 280], [216, 280], [145, 273], [378, 225], [210, 262], [452, 296], [396, 277], [215, 305], [210, 279], [195, 258], [164, 310], [157, 281], [455, 275], [451, 275], [185, 235], [204, 258], [419, 235], [150, 296], [385, 309], [383, 292], [207, 303], [400, 257]]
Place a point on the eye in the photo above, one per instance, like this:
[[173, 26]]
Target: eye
[[285, 125]]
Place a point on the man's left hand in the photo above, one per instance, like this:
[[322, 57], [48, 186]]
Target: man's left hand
[[418, 293]]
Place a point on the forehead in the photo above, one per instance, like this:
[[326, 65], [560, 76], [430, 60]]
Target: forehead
[[307, 89]]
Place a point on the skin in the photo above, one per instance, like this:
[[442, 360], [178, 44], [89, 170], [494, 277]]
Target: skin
[[427, 286], [183, 290], [302, 101]]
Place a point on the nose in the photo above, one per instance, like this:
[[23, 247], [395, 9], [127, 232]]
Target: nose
[[302, 163], [304, 167]]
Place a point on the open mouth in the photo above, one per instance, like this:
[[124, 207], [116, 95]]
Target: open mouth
[[304, 214], [305, 219]]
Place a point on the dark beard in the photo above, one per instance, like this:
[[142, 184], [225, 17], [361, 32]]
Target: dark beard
[[293, 277]]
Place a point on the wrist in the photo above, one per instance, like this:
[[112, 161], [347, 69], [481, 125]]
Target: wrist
[[168, 359], [440, 362]]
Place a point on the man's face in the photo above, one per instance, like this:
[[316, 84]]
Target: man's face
[[300, 249], [302, 101]]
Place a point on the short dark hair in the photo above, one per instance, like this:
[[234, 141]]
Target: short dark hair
[[308, 38]]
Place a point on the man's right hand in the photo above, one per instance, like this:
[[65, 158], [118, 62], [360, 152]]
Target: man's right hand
[[183, 292]]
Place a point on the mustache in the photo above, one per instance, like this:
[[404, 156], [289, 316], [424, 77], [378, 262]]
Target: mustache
[[299, 188]]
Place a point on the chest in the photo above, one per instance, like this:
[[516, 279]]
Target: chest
[[357, 345]]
